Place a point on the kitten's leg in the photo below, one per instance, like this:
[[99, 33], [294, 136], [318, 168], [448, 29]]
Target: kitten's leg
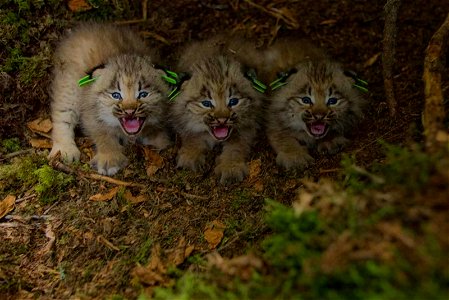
[[65, 117], [332, 146], [109, 158], [231, 164], [290, 153], [192, 154]]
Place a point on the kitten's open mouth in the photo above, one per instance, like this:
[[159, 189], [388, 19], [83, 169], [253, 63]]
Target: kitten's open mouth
[[317, 129], [132, 125], [220, 132]]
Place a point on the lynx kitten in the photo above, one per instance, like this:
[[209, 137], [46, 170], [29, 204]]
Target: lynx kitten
[[216, 106], [318, 106], [124, 102]]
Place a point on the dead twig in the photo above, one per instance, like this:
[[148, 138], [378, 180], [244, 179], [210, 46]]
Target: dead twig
[[389, 51], [57, 165], [17, 153], [434, 113]]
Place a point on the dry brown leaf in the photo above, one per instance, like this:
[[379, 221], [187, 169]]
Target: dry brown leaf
[[214, 233], [255, 166], [41, 143], [50, 234], [78, 5], [369, 62], [40, 125], [241, 266], [154, 161], [180, 253], [7, 205], [134, 199], [105, 197]]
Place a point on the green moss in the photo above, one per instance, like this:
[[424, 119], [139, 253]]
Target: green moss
[[33, 172], [11, 145]]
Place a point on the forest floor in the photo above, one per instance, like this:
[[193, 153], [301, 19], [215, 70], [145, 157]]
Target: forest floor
[[369, 223]]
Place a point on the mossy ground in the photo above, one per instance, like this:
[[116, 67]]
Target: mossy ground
[[369, 223]]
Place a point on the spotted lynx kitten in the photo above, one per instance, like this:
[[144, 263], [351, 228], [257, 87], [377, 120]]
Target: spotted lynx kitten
[[216, 106], [123, 98], [315, 106]]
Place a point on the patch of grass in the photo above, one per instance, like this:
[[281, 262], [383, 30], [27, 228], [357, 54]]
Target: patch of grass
[[50, 183], [143, 253]]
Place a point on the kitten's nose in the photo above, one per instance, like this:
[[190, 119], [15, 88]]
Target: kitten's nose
[[222, 120], [129, 111]]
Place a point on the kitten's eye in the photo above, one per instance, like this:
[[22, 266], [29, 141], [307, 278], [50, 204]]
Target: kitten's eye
[[116, 95], [142, 94], [206, 103], [233, 102], [332, 101], [306, 100]]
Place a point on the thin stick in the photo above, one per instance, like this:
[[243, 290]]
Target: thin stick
[[434, 107], [389, 51], [57, 165], [17, 153]]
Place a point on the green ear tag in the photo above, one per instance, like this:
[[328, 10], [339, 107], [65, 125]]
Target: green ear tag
[[169, 79], [86, 80], [257, 84]]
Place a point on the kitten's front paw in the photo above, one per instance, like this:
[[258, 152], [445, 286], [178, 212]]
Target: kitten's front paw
[[231, 172], [333, 146], [192, 161], [108, 163], [69, 152], [294, 160]]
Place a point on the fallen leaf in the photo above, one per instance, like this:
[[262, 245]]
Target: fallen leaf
[[134, 199], [105, 197], [214, 233], [369, 62], [40, 125], [180, 253], [7, 205], [41, 143], [50, 234], [78, 5], [255, 166], [241, 266], [154, 161]]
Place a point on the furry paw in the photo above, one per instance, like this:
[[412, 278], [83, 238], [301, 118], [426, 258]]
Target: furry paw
[[108, 163], [333, 146], [294, 160], [69, 152], [195, 162], [231, 172]]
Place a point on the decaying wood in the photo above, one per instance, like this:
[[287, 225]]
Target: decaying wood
[[434, 107], [389, 51]]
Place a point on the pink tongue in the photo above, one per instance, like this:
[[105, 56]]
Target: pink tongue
[[221, 132], [318, 128], [131, 125]]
